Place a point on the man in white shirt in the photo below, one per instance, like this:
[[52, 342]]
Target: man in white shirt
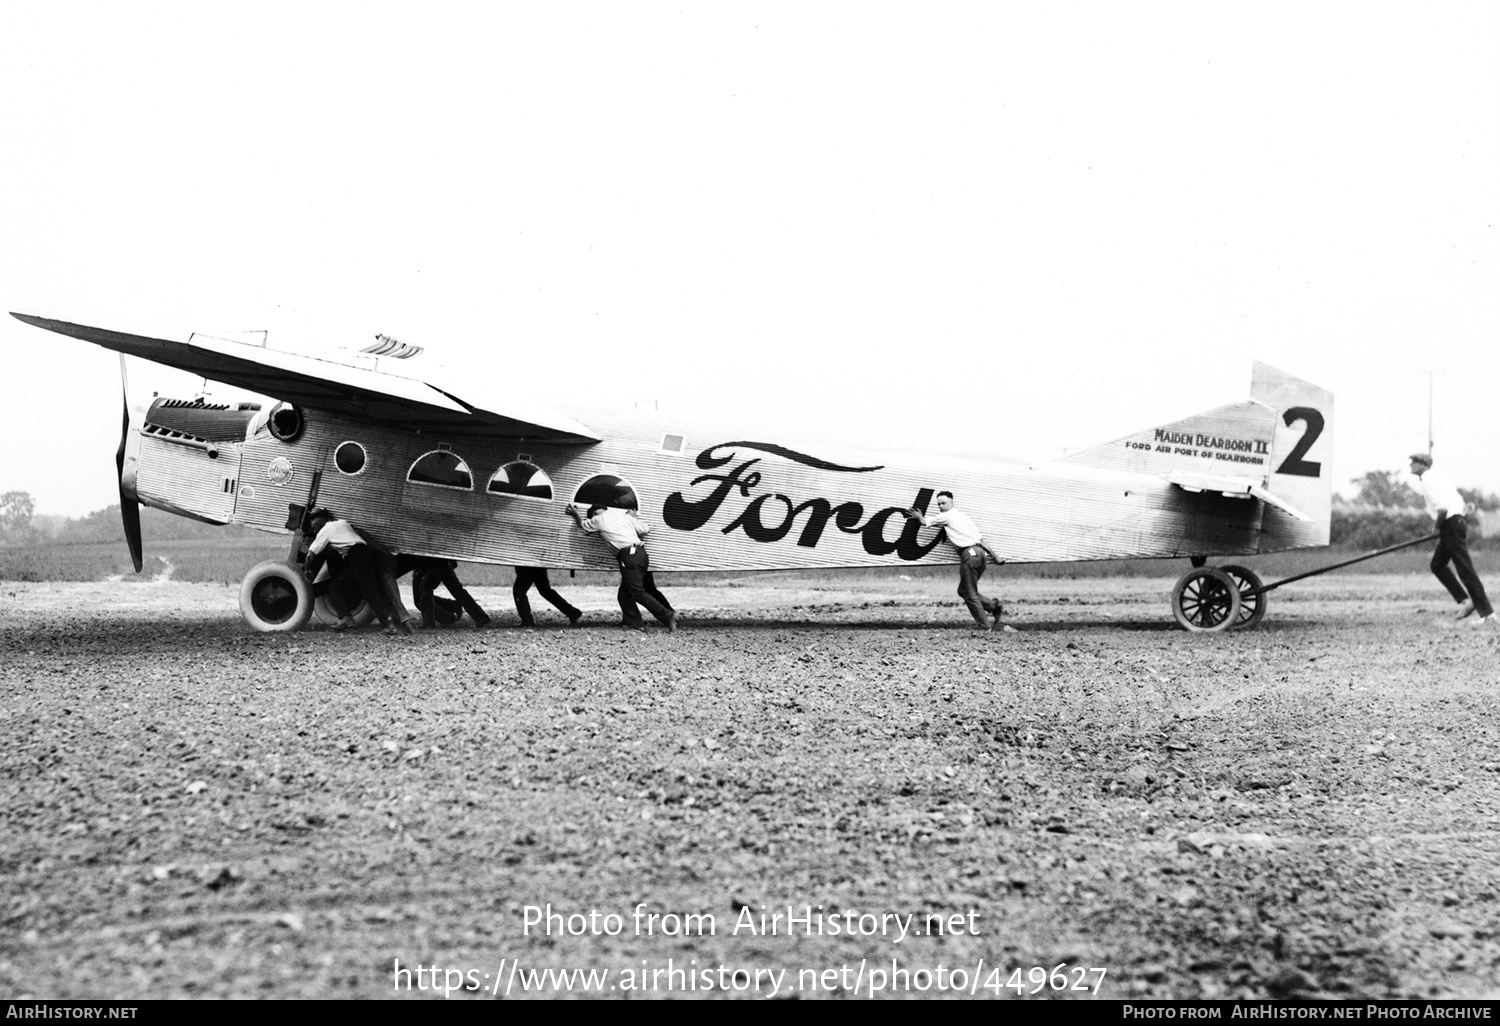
[[361, 563], [1446, 506], [965, 536], [624, 532]]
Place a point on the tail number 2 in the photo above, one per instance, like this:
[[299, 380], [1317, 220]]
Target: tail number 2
[[1294, 464]]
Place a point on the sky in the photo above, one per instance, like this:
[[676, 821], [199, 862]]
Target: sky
[[1011, 228]]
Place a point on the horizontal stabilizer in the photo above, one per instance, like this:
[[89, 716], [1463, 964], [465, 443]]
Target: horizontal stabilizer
[[1240, 486]]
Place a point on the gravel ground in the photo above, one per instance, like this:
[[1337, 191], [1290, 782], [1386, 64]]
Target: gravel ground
[[1309, 809]]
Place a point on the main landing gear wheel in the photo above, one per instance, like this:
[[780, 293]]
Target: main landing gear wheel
[[323, 607], [1252, 607], [276, 597], [323, 613], [1205, 599]]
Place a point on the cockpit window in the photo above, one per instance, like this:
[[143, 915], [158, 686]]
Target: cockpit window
[[442, 469], [607, 490], [522, 478]]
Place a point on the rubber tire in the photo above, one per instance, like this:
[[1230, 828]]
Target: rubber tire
[[363, 615], [284, 597], [1205, 599], [323, 613], [1252, 607]]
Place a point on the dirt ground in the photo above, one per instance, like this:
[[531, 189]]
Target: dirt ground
[[1308, 809]]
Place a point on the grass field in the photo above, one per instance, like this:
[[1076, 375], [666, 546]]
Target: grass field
[[225, 561]]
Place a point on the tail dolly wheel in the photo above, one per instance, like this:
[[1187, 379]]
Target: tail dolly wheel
[[1252, 598], [1206, 599]]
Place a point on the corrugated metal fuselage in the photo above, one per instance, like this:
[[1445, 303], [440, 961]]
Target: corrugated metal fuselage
[[715, 501]]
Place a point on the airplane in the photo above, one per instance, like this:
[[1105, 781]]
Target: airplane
[[459, 468]]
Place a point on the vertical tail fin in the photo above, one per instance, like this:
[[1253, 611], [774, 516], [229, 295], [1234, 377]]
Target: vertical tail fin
[[1279, 440], [1300, 470]]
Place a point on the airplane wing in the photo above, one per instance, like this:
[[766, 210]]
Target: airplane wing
[[358, 392], [1241, 486]]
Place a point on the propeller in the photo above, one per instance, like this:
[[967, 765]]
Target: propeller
[[130, 509]]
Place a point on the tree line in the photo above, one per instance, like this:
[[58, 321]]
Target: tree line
[[1386, 510], [20, 525]]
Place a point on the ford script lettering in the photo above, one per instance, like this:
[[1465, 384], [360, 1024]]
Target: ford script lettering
[[771, 516]]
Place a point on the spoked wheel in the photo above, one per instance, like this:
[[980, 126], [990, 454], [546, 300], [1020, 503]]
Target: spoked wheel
[[1252, 607], [1205, 599]]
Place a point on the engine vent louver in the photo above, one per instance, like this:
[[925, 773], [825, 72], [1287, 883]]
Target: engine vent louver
[[195, 420]]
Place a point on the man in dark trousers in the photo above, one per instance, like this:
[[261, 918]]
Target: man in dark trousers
[[1447, 506], [427, 573], [965, 536], [528, 577], [623, 532]]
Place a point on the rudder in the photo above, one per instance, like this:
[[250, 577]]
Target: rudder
[[1300, 470]]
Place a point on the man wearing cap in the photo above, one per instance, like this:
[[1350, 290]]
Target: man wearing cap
[[965, 536], [624, 532], [1447, 506]]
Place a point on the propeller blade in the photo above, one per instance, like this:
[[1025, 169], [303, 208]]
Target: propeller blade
[[130, 510]]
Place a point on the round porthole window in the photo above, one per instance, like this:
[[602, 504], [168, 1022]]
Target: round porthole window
[[350, 458]]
